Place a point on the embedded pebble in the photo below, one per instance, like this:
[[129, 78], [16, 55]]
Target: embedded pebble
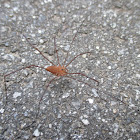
[[23, 60], [84, 55], [113, 25], [113, 103], [50, 125], [90, 101], [41, 41], [66, 48], [103, 120], [65, 95], [95, 92], [138, 75], [85, 121], [76, 104], [120, 52], [109, 67], [36, 133], [114, 111], [37, 52], [16, 94], [39, 31], [44, 79], [26, 72], [97, 47], [7, 5], [1, 110], [3, 29]]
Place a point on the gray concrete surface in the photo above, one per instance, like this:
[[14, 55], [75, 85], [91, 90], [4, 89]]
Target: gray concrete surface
[[70, 110]]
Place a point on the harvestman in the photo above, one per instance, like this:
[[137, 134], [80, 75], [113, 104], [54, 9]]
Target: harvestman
[[58, 70]]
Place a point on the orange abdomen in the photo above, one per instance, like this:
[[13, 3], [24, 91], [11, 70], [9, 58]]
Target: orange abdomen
[[57, 70]]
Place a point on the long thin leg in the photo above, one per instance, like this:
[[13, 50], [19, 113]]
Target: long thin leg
[[79, 81], [44, 94], [85, 84], [98, 94], [76, 57], [73, 41], [97, 85], [17, 71], [56, 51], [86, 76], [38, 50]]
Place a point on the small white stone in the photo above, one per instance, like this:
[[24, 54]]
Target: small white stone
[[3, 29], [114, 111], [102, 80], [75, 31], [138, 75], [50, 125], [23, 60], [103, 120], [36, 133], [20, 18], [113, 25], [37, 52], [63, 19], [47, 1], [41, 41], [7, 5], [90, 101], [44, 79], [105, 52], [74, 16], [85, 121], [65, 95], [15, 9], [84, 55], [34, 17], [25, 72], [23, 125], [137, 94], [121, 52], [67, 47], [113, 103], [46, 66], [138, 55], [85, 116], [131, 105], [16, 94], [1, 110], [109, 67], [98, 62], [97, 47], [74, 112], [131, 40], [95, 92], [39, 31], [33, 35]]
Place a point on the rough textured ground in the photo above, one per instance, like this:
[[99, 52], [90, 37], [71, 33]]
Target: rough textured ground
[[70, 110]]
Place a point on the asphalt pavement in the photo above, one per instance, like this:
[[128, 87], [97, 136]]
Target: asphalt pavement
[[73, 107]]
